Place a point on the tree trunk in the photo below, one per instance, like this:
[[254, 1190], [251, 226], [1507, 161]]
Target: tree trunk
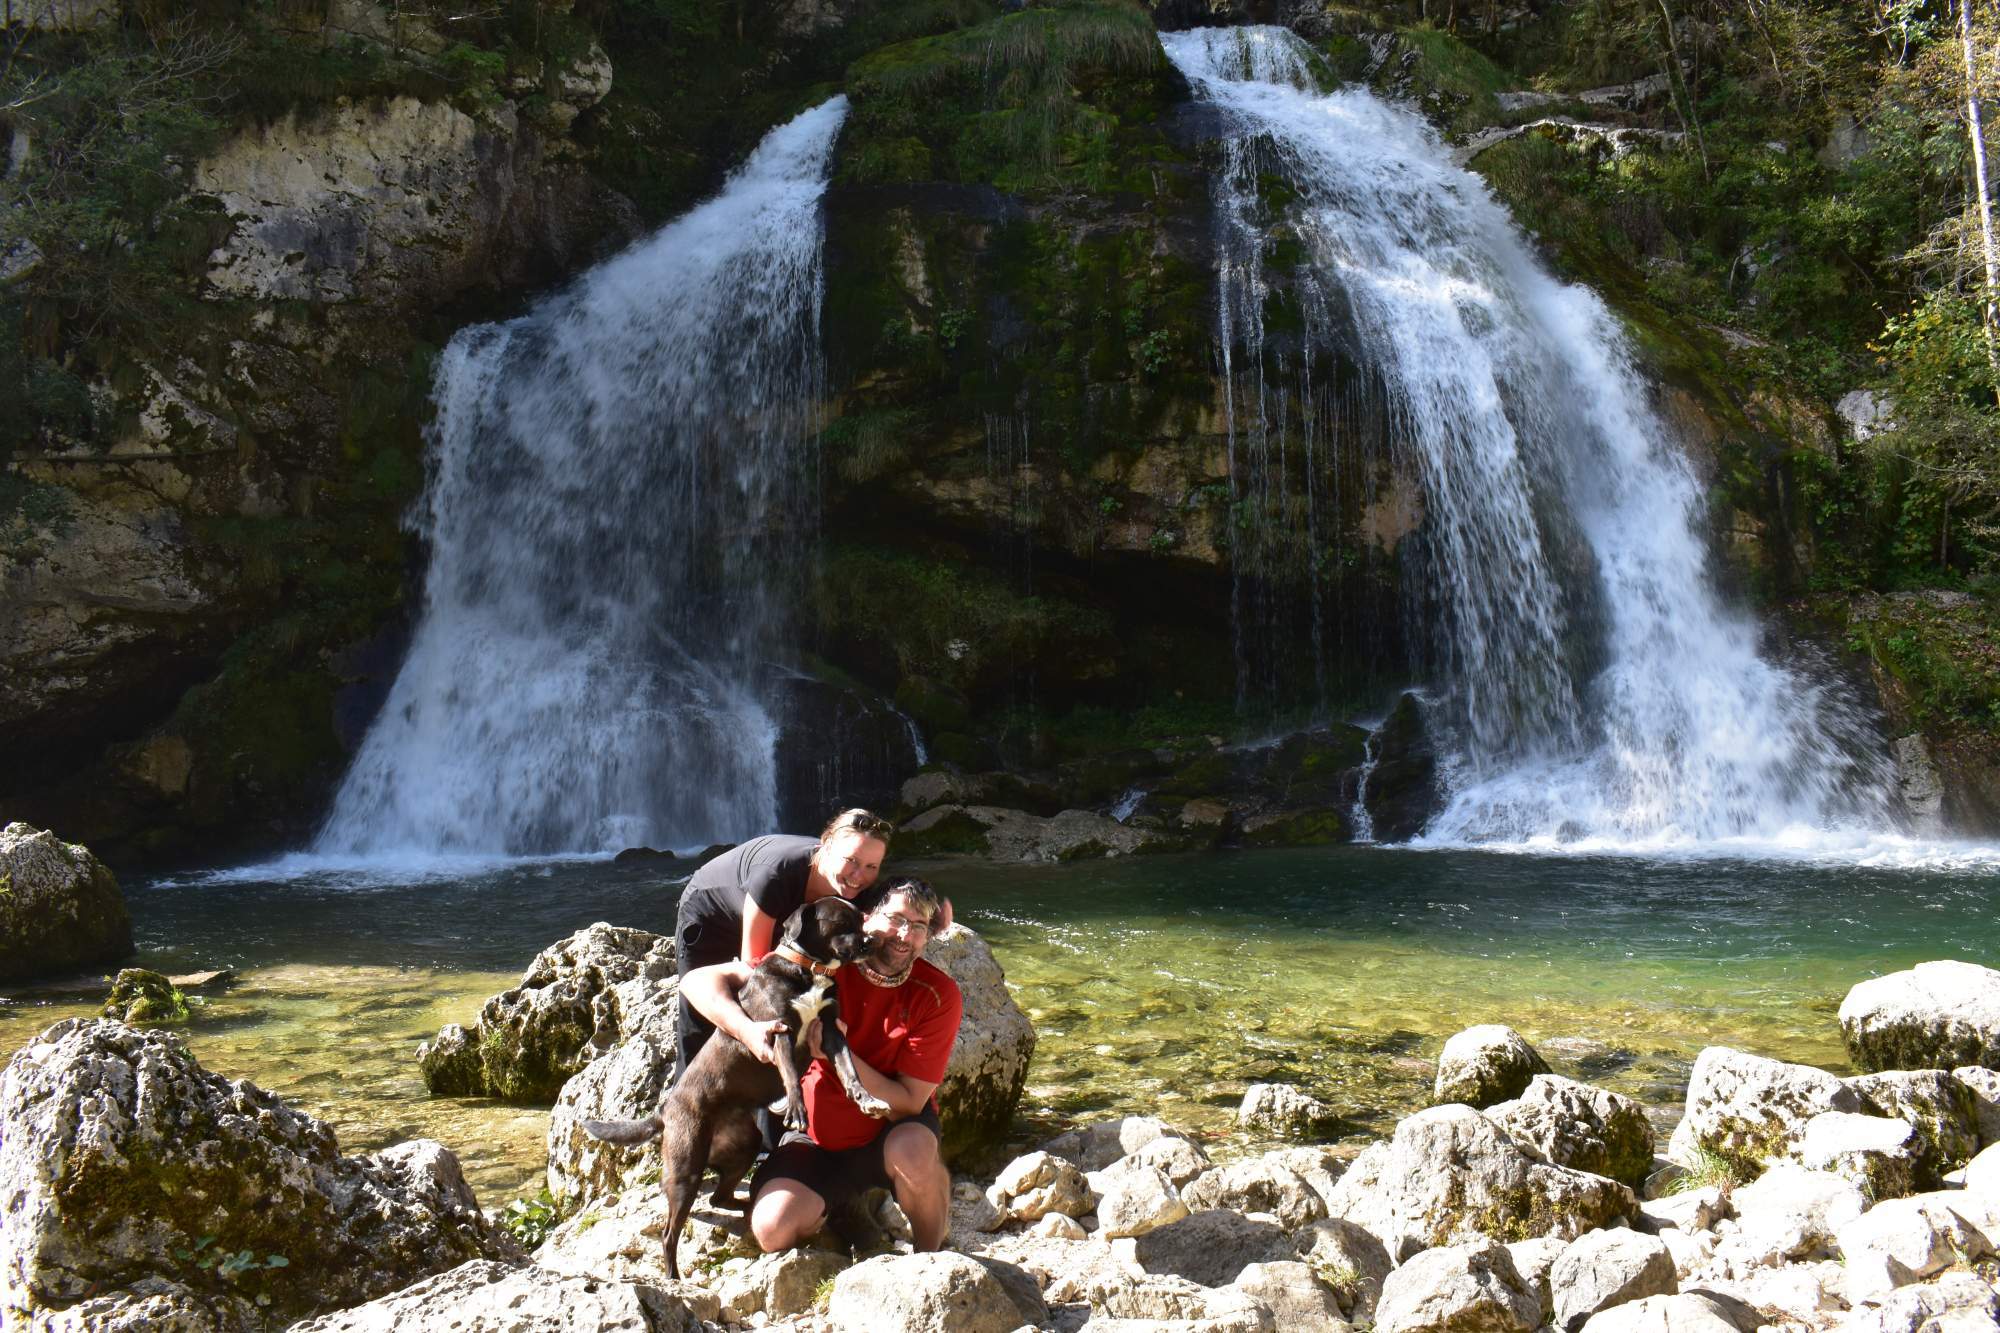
[[1988, 316]]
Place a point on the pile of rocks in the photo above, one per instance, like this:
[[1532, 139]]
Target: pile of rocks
[[1789, 1197]]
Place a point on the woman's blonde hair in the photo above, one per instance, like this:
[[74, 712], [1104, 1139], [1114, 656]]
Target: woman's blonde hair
[[865, 822]]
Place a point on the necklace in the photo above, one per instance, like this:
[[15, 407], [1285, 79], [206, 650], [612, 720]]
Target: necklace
[[869, 973]]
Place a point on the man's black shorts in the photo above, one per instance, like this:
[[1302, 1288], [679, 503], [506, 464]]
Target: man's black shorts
[[836, 1175]]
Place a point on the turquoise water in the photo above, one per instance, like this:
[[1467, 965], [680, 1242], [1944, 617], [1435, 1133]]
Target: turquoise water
[[1163, 985]]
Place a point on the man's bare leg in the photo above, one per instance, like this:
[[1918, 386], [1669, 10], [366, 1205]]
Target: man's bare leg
[[784, 1214], [922, 1185]]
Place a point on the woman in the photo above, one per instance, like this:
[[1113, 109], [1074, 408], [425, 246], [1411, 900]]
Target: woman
[[733, 905]]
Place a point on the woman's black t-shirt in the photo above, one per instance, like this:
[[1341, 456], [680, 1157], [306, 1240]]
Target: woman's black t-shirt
[[770, 871]]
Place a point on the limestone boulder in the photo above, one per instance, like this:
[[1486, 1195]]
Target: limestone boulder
[[1486, 1065], [1282, 1110], [1167, 1304], [62, 909], [1299, 1302], [1019, 838], [778, 1286], [625, 1085], [989, 1061], [1984, 1085], [1353, 1262], [1097, 1145], [1034, 1186], [1450, 1174], [1875, 1152], [124, 1160], [1211, 1247], [1258, 1185], [1470, 1288], [1748, 1110], [144, 998], [1575, 1125], [1982, 1179], [1904, 1241], [1790, 1214], [943, 1292], [1606, 1268], [1955, 1303], [1688, 1211], [1136, 1199], [1535, 1260], [1934, 1016], [618, 1238], [1179, 1160], [1687, 1312], [487, 1297], [1813, 1294], [1941, 1108], [579, 998]]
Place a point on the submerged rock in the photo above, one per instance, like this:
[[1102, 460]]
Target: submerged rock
[[1280, 1109], [1934, 1016], [124, 1161], [578, 999], [61, 908], [145, 999]]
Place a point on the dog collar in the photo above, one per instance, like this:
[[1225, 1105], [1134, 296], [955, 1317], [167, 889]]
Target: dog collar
[[811, 965]]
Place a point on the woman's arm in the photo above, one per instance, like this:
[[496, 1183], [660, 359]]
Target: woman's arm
[[712, 991], [759, 929]]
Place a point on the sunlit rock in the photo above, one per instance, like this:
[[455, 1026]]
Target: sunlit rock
[[1606, 1268], [942, 1292], [1450, 1174], [578, 999], [1748, 1111], [487, 1297], [1575, 1125], [62, 908], [1935, 1015], [989, 1061], [1471, 1286], [124, 1160], [1485, 1066]]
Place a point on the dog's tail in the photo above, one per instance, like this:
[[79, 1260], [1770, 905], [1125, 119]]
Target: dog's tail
[[626, 1132]]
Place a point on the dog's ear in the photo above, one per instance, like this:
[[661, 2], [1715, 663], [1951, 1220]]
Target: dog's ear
[[794, 924]]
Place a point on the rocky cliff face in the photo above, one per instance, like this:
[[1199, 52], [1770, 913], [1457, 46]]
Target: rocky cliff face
[[1031, 537]]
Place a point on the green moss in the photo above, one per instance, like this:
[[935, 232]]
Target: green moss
[[145, 999], [1451, 80]]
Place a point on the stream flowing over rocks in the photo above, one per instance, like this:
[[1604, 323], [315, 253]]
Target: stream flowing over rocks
[[140, 1192]]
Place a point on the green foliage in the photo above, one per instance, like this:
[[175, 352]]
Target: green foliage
[[1029, 101], [228, 1265], [530, 1221], [30, 511]]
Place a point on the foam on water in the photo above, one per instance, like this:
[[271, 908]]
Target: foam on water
[[1589, 687]]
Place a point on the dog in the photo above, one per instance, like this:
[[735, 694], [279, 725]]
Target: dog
[[708, 1118]]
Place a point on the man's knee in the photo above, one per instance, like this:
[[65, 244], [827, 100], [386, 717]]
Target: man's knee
[[784, 1214], [911, 1153]]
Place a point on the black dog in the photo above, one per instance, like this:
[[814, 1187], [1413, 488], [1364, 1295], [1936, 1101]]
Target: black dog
[[708, 1117]]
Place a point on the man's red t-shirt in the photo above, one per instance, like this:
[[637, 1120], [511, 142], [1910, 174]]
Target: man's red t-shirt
[[905, 1031]]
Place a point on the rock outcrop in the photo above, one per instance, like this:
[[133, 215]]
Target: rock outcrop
[[1573, 1124], [1934, 1016], [61, 910], [989, 1061], [578, 999], [128, 1173], [1747, 1110]]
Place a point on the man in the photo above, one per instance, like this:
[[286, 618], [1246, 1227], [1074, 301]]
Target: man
[[901, 1016], [733, 904]]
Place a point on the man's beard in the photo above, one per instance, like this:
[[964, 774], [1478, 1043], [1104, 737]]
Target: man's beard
[[877, 969]]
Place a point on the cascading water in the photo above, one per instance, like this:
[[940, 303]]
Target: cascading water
[[1590, 684], [604, 470]]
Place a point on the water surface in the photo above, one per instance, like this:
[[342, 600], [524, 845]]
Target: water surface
[[1161, 985]]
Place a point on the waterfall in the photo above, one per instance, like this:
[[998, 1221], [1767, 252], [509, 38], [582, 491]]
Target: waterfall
[[1589, 682], [619, 483]]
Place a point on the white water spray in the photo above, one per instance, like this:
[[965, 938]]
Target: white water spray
[[604, 472], [1591, 684]]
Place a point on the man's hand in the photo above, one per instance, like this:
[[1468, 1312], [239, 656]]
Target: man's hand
[[941, 921], [762, 1037]]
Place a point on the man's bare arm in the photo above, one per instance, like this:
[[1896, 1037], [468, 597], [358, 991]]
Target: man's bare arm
[[712, 991], [904, 1095]]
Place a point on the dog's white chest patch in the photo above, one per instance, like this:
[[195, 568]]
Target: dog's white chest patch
[[808, 1005]]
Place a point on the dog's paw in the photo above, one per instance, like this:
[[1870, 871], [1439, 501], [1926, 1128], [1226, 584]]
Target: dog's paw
[[795, 1117]]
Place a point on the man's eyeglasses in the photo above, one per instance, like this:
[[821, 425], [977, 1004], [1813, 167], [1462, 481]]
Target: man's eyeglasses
[[904, 925]]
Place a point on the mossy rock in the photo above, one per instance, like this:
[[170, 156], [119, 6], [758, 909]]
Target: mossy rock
[[951, 833], [145, 999]]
